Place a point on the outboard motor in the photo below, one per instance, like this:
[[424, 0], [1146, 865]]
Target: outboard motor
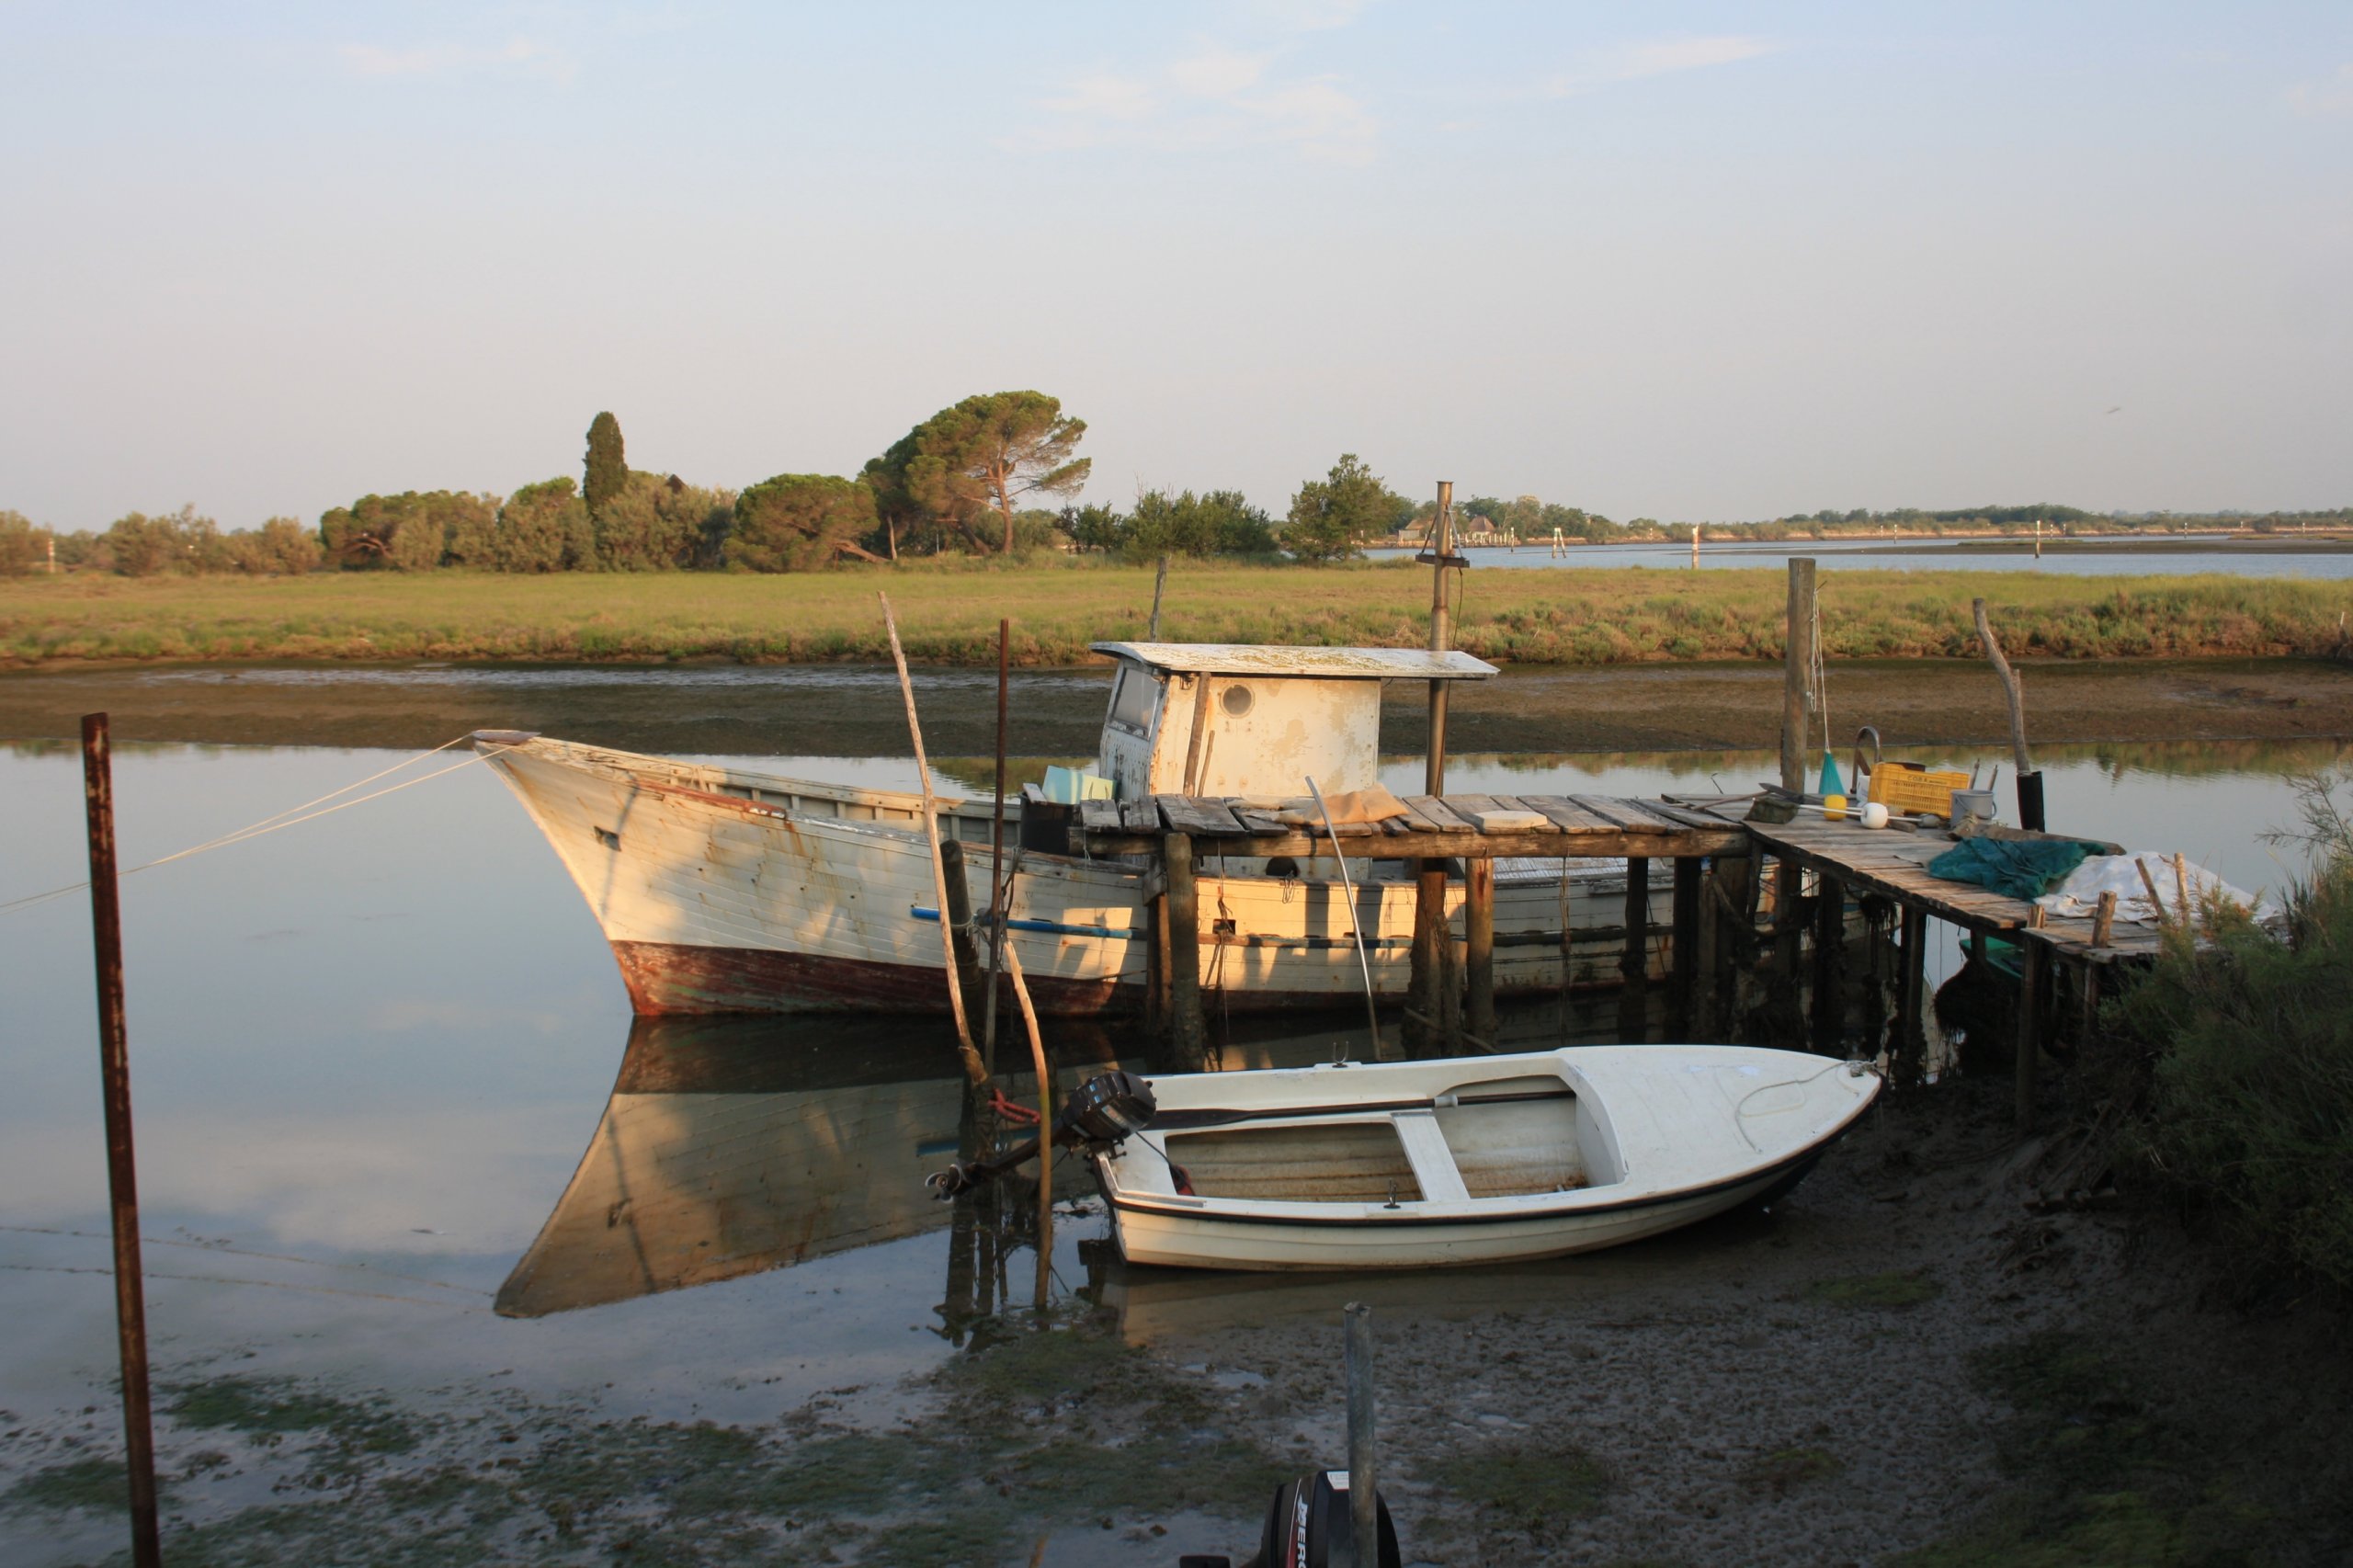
[[1309, 1526], [1104, 1109]]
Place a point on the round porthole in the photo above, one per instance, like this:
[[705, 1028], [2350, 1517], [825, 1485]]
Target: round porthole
[[1236, 700]]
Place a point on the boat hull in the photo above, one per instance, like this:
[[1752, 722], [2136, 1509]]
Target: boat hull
[[721, 890], [1484, 1160]]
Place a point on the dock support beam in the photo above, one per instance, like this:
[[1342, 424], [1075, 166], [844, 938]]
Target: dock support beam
[[1689, 983], [1479, 947], [1187, 1031], [1911, 1027], [1633, 957], [2030, 1062], [1829, 966]]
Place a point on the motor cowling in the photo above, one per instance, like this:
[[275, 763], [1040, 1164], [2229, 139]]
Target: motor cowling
[[1105, 1109]]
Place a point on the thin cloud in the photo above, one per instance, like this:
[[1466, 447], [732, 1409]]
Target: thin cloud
[[1659, 57], [519, 55], [2329, 98], [1215, 97]]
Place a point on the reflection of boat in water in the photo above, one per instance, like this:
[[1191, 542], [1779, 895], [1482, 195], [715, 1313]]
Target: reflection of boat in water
[[722, 889], [731, 1147], [1414, 1164]]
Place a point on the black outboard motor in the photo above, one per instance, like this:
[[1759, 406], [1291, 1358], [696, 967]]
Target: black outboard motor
[[1309, 1526], [1104, 1109]]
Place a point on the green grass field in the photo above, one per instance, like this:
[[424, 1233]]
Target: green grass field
[[948, 614]]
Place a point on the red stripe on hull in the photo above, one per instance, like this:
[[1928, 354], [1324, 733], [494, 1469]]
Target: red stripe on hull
[[666, 978]]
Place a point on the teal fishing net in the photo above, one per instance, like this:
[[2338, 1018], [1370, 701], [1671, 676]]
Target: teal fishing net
[[2015, 869]]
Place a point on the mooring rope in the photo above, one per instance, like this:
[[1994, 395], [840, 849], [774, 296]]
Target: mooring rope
[[285, 819]]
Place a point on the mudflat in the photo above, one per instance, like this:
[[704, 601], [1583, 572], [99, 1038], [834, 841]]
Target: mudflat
[[854, 710]]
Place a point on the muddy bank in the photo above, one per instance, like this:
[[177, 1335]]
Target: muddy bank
[[854, 710], [1906, 1362]]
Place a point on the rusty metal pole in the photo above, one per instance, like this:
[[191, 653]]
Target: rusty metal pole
[[1429, 981], [122, 1175]]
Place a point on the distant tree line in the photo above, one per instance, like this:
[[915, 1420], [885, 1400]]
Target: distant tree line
[[973, 480]]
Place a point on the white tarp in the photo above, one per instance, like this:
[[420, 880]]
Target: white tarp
[[2079, 894]]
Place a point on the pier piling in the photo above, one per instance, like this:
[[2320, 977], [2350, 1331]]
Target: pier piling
[[1188, 1033], [123, 1175], [1479, 946]]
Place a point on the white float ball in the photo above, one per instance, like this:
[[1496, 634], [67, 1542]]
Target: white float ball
[[1874, 815]]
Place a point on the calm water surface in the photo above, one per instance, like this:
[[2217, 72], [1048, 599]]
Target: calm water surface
[[2089, 557], [369, 1050]]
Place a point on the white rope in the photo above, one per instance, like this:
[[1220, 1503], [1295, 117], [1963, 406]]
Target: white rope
[[285, 819]]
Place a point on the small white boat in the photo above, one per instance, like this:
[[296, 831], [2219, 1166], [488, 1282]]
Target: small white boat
[[1496, 1159]]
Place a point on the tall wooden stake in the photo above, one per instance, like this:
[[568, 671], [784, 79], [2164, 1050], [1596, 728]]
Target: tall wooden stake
[[974, 1069], [1159, 581], [1797, 674], [1429, 984], [999, 887], [1045, 1126], [122, 1175]]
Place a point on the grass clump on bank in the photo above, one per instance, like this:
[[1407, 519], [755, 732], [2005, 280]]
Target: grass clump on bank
[[947, 613]]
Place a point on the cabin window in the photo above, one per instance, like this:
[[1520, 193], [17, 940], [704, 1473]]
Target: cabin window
[[1237, 701], [1132, 699]]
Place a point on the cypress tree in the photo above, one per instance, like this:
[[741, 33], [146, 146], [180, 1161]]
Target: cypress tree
[[607, 471]]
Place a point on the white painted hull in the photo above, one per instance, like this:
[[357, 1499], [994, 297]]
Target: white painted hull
[[1663, 1136], [723, 891]]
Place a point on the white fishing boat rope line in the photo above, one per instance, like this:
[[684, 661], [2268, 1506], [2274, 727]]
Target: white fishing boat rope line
[[1494, 1159]]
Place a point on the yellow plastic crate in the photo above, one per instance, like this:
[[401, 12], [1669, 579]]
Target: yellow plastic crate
[[1902, 787]]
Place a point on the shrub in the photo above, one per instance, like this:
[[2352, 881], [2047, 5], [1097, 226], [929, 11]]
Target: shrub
[[2250, 1041], [23, 548], [281, 548], [798, 521], [544, 528]]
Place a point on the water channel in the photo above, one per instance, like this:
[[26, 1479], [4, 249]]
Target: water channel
[[369, 1050]]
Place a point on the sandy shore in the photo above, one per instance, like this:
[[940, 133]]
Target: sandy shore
[[848, 710]]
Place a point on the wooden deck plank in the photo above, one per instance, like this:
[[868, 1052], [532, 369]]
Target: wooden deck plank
[[1099, 816], [1568, 816], [1522, 804], [1203, 817], [1139, 817], [1625, 814], [1436, 812]]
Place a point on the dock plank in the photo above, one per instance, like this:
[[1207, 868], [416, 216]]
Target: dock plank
[[1568, 816], [1629, 814], [1435, 810], [1201, 817]]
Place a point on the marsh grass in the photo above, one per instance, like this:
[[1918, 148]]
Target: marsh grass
[[948, 614]]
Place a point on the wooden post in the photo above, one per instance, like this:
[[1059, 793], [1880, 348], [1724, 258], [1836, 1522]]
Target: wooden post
[[2028, 783], [2030, 1062], [1157, 1018], [959, 911], [1829, 966], [1159, 581], [1000, 885], [975, 1070], [1187, 1032], [1428, 993], [1911, 1024], [1698, 977], [1797, 674], [1479, 946], [2104, 920], [1364, 1496], [1633, 961], [122, 1173], [1044, 1288], [1686, 949]]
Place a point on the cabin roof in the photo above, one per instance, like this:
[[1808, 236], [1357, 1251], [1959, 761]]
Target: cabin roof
[[1311, 664]]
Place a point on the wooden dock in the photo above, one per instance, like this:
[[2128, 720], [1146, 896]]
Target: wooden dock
[[1717, 856], [1432, 828]]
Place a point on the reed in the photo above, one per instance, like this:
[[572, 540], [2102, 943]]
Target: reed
[[949, 613]]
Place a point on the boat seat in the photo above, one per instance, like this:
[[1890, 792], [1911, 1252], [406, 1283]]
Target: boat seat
[[1425, 1151]]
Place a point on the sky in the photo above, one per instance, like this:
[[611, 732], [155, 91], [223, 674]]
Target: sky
[[1690, 262]]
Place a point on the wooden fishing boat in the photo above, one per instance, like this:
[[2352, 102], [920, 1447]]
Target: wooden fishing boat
[[726, 889], [1416, 1165]]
